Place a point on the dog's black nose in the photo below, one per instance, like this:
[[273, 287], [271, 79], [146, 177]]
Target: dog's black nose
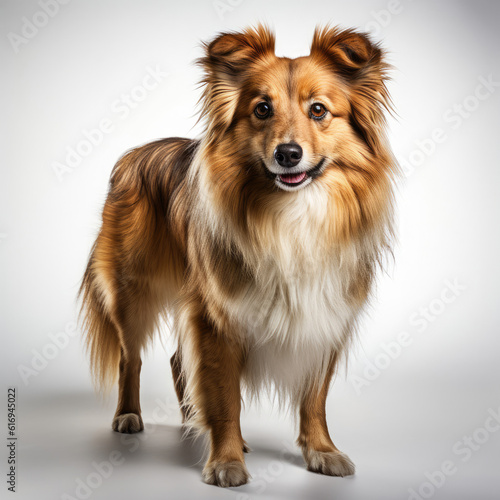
[[288, 155]]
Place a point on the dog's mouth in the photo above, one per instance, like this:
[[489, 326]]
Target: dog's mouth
[[293, 179], [289, 182]]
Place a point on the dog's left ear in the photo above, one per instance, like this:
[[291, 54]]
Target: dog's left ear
[[352, 54], [360, 63], [228, 58]]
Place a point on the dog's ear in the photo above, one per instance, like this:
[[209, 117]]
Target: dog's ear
[[360, 63], [231, 53], [352, 54], [228, 58]]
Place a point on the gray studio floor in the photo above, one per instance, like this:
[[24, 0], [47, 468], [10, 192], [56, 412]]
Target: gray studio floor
[[65, 441]]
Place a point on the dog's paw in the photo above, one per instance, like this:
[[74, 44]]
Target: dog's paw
[[226, 474], [128, 423], [332, 463]]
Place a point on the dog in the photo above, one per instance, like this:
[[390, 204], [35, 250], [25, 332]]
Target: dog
[[261, 241]]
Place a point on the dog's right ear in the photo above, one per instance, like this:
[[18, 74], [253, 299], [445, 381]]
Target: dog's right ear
[[228, 58], [230, 53]]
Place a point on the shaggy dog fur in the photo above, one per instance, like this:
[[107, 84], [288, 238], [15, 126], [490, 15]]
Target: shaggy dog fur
[[261, 240]]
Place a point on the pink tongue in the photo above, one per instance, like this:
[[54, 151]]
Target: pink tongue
[[293, 179]]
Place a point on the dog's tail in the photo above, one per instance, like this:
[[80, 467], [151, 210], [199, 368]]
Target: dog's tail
[[101, 335]]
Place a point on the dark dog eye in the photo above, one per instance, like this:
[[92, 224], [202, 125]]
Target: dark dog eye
[[317, 111], [262, 110]]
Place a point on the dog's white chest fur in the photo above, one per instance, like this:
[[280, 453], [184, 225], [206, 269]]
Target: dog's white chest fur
[[297, 311], [292, 324]]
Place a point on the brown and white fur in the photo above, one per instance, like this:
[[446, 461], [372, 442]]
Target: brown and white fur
[[263, 276]]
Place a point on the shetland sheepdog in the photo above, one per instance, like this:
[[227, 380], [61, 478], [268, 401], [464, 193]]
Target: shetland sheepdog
[[261, 241]]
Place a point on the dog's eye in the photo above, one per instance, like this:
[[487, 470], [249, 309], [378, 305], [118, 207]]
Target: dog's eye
[[262, 110], [317, 111]]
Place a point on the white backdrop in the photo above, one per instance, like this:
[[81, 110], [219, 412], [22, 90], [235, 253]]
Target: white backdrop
[[83, 81]]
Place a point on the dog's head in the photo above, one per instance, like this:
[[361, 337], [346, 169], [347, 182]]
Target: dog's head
[[275, 122]]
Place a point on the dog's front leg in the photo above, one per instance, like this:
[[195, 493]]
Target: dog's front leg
[[217, 398], [320, 454]]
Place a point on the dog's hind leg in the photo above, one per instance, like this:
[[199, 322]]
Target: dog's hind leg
[[128, 412], [320, 454], [115, 334], [135, 318], [179, 383]]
